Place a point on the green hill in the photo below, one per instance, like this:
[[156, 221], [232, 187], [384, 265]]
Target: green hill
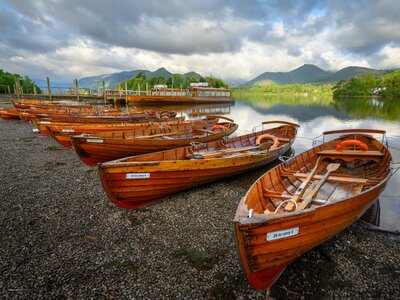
[[112, 79], [352, 71], [304, 74], [312, 74]]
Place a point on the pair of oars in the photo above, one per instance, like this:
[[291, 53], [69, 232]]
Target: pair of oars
[[315, 189], [161, 134], [217, 154]]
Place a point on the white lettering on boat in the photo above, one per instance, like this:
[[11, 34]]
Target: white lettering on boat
[[137, 175], [45, 122], [67, 130], [282, 233], [94, 141]]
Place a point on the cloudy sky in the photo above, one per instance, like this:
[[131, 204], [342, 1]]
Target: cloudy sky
[[231, 39]]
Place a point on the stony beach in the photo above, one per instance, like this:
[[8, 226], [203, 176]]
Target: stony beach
[[62, 238]]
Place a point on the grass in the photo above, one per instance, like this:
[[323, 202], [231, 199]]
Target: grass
[[197, 259]]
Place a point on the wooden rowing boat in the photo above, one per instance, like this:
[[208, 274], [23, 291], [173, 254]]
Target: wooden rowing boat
[[61, 132], [9, 113], [139, 181], [42, 123], [142, 116], [306, 200], [106, 146], [28, 114], [24, 104]]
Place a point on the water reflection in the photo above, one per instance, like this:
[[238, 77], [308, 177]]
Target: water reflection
[[319, 114], [370, 107], [192, 109]]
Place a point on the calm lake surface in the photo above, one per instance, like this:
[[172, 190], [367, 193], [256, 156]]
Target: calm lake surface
[[316, 115]]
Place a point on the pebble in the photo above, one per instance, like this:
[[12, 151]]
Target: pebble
[[62, 238]]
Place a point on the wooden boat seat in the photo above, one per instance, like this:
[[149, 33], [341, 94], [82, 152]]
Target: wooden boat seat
[[283, 139], [349, 155], [332, 178]]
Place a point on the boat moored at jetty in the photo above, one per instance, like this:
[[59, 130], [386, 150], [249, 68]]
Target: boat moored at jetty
[[196, 93]]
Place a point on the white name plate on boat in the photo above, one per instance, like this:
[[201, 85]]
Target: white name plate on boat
[[45, 122], [276, 235], [67, 130], [137, 175], [94, 141]]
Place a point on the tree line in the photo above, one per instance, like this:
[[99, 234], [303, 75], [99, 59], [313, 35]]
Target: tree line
[[368, 84], [8, 81], [175, 81], [267, 88]]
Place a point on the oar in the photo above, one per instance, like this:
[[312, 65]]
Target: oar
[[160, 134], [204, 130], [302, 188], [330, 168], [262, 146]]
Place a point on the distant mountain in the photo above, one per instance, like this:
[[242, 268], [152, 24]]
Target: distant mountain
[[312, 74], [43, 84], [352, 71], [112, 79], [304, 74]]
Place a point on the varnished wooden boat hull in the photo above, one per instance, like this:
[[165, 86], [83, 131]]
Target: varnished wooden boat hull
[[167, 179], [265, 258], [62, 133], [99, 148], [139, 181], [93, 127], [106, 119], [9, 114]]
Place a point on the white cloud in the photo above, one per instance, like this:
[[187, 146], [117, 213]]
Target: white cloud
[[232, 40], [389, 57]]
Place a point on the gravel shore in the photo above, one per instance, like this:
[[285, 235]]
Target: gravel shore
[[62, 238]]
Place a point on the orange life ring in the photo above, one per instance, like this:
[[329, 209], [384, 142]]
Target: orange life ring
[[357, 143], [268, 136], [216, 127]]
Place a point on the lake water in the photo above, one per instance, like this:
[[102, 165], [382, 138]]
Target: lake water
[[316, 115]]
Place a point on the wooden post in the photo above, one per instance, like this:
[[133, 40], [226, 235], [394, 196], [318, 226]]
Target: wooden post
[[147, 88], [138, 88], [77, 89], [48, 88], [126, 91], [104, 92], [34, 89], [17, 87]]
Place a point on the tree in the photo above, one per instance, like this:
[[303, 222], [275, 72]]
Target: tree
[[7, 81]]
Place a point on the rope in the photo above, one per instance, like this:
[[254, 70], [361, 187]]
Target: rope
[[394, 148], [302, 137], [286, 201], [248, 131]]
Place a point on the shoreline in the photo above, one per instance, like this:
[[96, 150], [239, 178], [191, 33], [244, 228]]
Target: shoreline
[[62, 238]]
